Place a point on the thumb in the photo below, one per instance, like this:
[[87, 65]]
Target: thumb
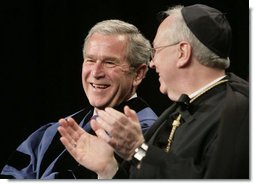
[[131, 114], [102, 135], [99, 132], [94, 125]]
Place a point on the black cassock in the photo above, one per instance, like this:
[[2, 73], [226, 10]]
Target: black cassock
[[211, 142]]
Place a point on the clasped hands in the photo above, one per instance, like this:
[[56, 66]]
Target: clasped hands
[[115, 132]]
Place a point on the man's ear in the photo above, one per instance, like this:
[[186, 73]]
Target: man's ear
[[140, 74], [184, 54]]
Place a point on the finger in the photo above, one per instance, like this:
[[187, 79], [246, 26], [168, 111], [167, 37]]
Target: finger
[[119, 117], [69, 129], [63, 129], [69, 147], [69, 143], [63, 122], [66, 123], [103, 124], [94, 125], [114, 143], [75, 127], [102, 135], [66, 135], [112, 122], [131, 114], [112, 113], [105, 116], [63, 133]]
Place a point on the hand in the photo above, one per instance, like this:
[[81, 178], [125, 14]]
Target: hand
[[124, 130], [90, 151]]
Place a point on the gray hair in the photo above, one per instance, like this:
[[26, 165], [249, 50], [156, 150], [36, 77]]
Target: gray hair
[[180, 31], [138, 49]]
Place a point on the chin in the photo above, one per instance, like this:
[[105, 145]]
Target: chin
[[163, 90], [102, 107], [97, 105]]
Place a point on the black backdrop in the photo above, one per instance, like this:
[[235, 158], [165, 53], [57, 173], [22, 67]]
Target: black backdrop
[[41, 56]]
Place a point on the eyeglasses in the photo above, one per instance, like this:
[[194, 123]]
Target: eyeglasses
[[154, 50]]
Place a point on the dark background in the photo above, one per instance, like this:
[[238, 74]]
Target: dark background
[[41, 56]]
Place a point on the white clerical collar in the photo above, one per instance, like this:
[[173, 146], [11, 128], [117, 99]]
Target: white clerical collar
[[133, 96], [205, 87]]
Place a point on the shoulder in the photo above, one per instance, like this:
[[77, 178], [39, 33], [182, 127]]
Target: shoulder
[[138, 104], [238, 85], [145, 113], [237, 94], [49, 130], [143, 110]]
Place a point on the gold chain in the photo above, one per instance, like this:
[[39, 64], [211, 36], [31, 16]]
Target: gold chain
[[176, 123]]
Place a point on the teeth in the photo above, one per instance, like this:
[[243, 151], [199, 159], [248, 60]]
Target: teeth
[[99, 86]]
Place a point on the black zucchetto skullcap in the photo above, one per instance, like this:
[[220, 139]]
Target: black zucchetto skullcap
[[210, 26]]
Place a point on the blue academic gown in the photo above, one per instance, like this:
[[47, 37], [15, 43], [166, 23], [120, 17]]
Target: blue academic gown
[[42, 155]]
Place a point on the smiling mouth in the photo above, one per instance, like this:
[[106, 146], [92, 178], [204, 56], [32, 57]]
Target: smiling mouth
[[99, 86]]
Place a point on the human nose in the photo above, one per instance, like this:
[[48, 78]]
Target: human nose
[[97, 70], [151, 64]]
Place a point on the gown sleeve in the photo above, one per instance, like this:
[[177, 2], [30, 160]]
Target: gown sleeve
[[23, 162]]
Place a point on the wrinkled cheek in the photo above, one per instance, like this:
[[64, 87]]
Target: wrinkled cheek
[[84, 77], [85, 86]]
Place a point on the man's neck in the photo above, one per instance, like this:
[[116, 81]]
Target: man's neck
[[206, 86]]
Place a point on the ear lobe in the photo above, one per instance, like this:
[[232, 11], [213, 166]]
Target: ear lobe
[[184, 54], [180, 64]]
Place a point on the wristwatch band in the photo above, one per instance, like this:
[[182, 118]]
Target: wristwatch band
[[139, 154]]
